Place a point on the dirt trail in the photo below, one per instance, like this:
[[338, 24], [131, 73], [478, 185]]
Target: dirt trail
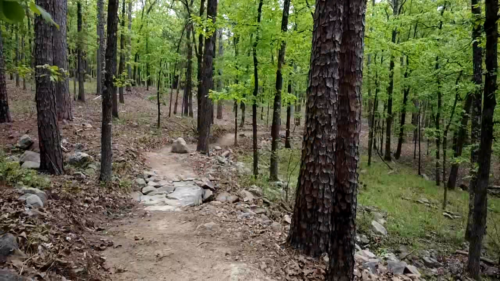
[[175, 245]]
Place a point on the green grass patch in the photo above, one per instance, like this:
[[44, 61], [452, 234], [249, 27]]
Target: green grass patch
[[11, 173]]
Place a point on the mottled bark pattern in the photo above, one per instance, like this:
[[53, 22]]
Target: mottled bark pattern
[[220, 103], [4, 100], [206, 107], [108, 92], [63, 98], [482, 178], [51, 158]]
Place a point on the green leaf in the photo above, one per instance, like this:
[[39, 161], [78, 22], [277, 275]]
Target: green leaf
[[44, 14], [11, 11]]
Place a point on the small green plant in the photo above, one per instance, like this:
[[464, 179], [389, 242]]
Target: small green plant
[[11, 173]]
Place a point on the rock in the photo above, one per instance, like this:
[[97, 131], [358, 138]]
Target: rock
[[208, 195], [287, 219], [221, 160], [362, 239], [259, 211], [246, 196], [12, 158], [186, 196], [207, 184], [80, 159], [396, 267], [31, 190], [226, 153], [29, 156], [255, 190], [378, 228], [149, 174], [6, 275], [79, 176], [25, 142], [87, 125], [179, 146], [232, 198], [276, 226], [140, 182], [31, 165], [8, 244], [410, 269], [391, 257], [430, 262], [34, 201], [217, 147], [222, 197], [79, 147], [371, 266], [148, 189]]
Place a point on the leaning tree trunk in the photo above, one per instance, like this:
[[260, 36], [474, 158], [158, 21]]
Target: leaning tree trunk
[[51, 158], [121, 67], [483, 174], [63, 97], [206, 107], [4, 100], [108, 92], [81, 84], [100, 45], [275, 126]]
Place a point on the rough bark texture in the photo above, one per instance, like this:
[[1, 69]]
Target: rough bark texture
[[199, 56], [477, 63], [189, 71], [121, 67], [4, 100], [51, 158], [206, 107], [482, 178], [220, 103], [63, 98], [108, 92], [81, 84], [100, 45], [255, 93], [129, 44], [275, 126], [390, 90]]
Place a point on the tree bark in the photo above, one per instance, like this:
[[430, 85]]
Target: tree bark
[[255, 92], [275, 126], [199, 56], [206, 108], [220, 103], [4, 100], [189, 71], [108, 92], [51, 158], [461, 135], [129, 44], [406, 92], [390, 90], [63, 98], [288, 118], [481, 189], [81, 85], [100, 45], [121, 67]]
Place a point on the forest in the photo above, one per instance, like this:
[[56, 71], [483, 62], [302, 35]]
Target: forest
[[304, 140]]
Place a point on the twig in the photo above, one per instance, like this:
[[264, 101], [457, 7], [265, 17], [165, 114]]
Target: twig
[[383, 160]]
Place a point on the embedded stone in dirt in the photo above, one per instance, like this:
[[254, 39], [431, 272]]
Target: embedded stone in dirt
[[184, 196], [180, 146], [31, 165], [25, 142], [8, 244], [378, 228], [6, 275], [31, 190], [30, 156], [80, 159]]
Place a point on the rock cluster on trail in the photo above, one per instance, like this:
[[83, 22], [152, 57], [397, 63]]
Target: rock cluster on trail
[[180, 146], [33, 197], [373, 266], [25, 142], [80, 159]]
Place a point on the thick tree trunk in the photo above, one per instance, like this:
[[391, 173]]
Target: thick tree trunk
[[63, 97], [108, 92], [4, 100], [189, 71], [206, 107], [129, 44], [275, 127], [255, 93], [81, 84], [220, 103], [482, 178], [121, 67], [288, 118], [199, 56], [100, 45], [390, 90], [371, 138], [51, 158], [406, 93], [243, 110]]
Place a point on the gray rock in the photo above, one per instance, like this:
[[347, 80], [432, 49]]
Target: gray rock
[[225, 153], [31, 165], [259, 211], [79, 175], [391, 257], [80, 159], [6, 275], [30, 156], [255, 190], [25, 142], [31, 190], [208, 195], [431, 262], [378, 228], [396, 267], [363, 239], [410, 269], [149, 174], [34, 201], [207, 184], [79, 147], [186, 196], [148, 189], [232, 198], [140, 182], [287, 219], [180, 146], [12, 158], [366, 254], [221, 160], [8, 244], [276, 226], [246, 196], [217, 147], [371, 265]]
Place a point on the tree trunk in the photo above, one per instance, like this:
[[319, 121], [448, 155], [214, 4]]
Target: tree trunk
[[373, 109], [108, 92], [482, 178], [406, 93], [477, 102], [16, 55], [51, 158], [158, 103], [148, 79], [243, 107], [255, 93], [189, 70], [199, 56], [461, 135], [81, 85], [100, 45], [275, 127], [220, 103], [129, 44], [121, 67], [63, 97], [437, 121], [208, 83], [390, 90], [288, 118], [4, 100]]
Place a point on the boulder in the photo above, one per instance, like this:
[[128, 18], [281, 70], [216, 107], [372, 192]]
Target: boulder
[[30, 156], [25, 142], [410, 269], [246, 196], [31, 190], [371, 266], [31, 165], [222, 197], [207, 184], [217, 148], [179, 146], [208, 195], [80, 159], [396, 267], [430, 262], [186, 196], [379, 228], [148, 189], [6, 275], [226, 153], [140, 181], [255, 190], [366, 254], [34, 201], [8, 244]]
